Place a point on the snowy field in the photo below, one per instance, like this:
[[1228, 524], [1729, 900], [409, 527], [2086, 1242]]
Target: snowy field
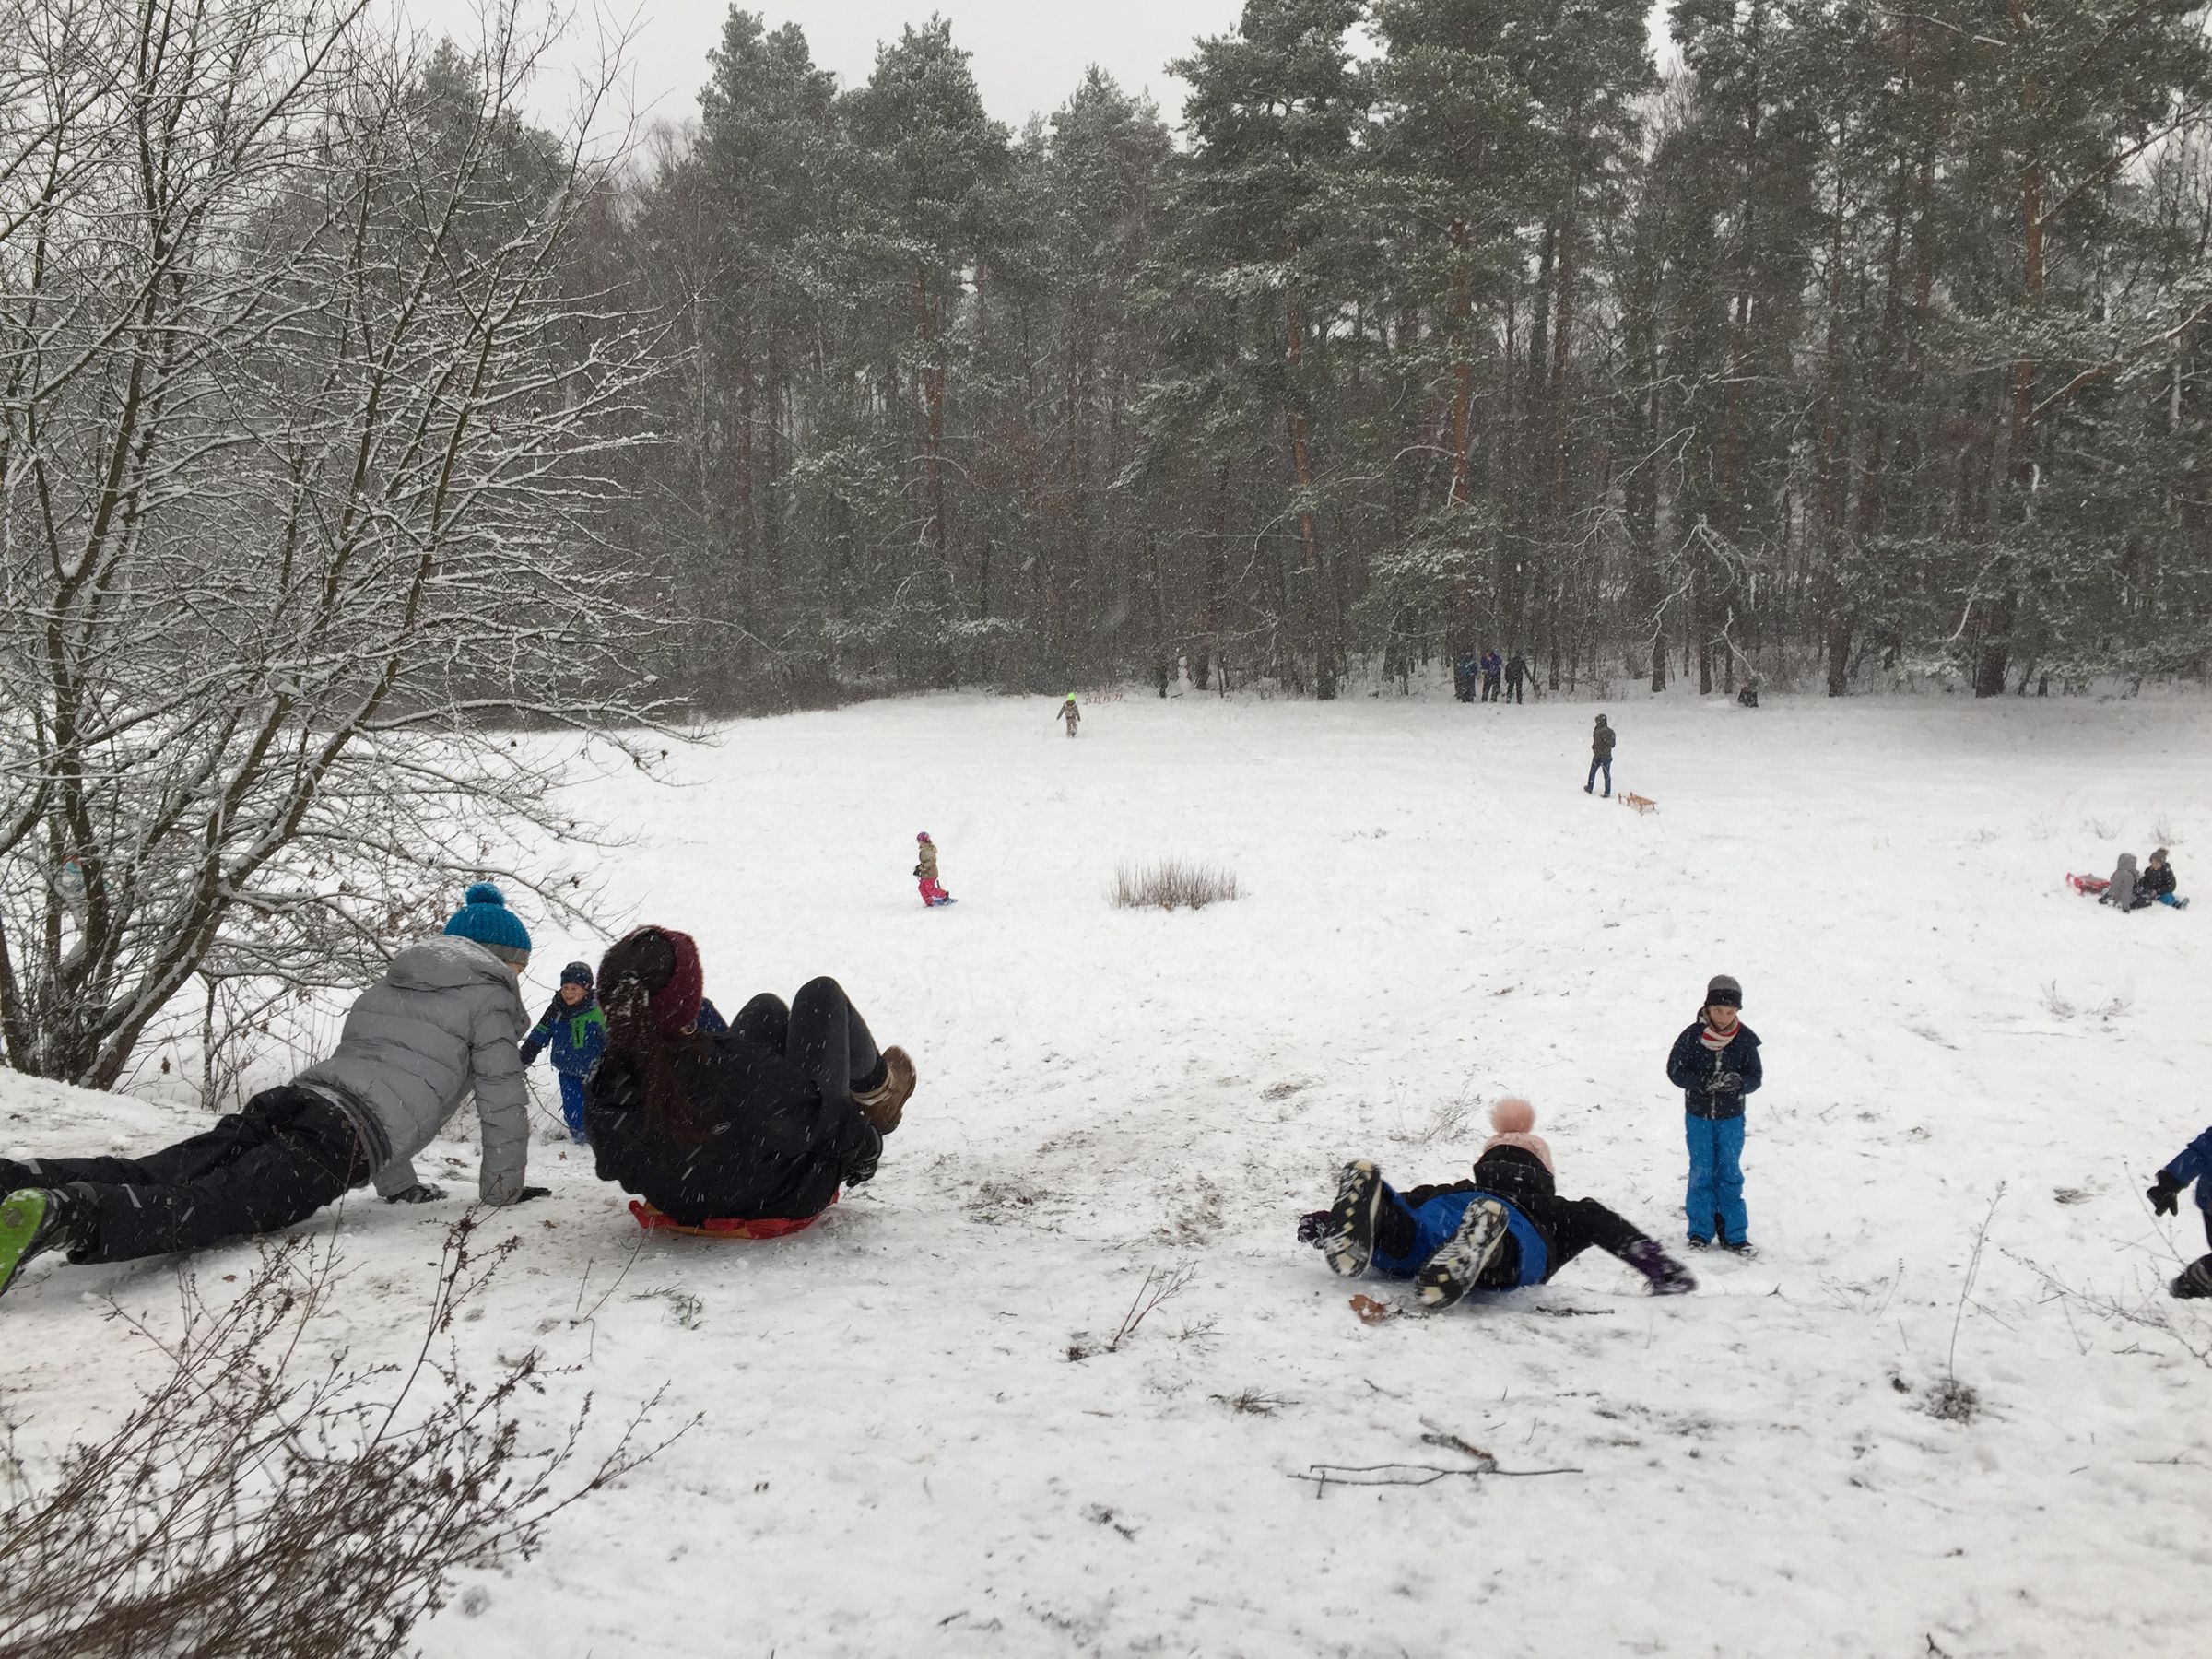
[[899, 1456]]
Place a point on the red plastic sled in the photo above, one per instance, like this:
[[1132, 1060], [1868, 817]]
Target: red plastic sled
[[2087, 884], [771, 1227]]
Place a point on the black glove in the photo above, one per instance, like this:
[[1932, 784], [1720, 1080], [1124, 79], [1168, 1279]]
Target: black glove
[[529, 1193], [531, 1050], [1313, 1227], [2163, 1192], [1728, 1083], [420, 1192]]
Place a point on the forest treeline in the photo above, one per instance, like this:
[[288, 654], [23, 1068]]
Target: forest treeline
[[1868, 339]]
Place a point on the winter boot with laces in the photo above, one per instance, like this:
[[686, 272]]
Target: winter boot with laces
[[1447, 1276], [2195, 1280], [884, 1105], [1349, 1242], [34, 1220]]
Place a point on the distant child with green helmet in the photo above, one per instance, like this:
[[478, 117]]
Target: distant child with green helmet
[[1070, 713]]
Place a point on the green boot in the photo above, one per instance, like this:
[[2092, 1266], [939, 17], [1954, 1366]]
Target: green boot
[[31, 1222]]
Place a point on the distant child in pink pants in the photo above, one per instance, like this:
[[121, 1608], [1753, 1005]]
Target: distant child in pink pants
[[927, 869]]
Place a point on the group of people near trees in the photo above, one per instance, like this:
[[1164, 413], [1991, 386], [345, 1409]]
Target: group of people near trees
[[758, 1123], [1496, 678]]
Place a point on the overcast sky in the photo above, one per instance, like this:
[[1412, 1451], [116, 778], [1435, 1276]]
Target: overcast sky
[[1028, 54]]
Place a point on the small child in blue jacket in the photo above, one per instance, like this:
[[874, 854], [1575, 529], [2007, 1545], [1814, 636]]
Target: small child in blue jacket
[[2193, 1164], [1715, 1064], [577, 1029]]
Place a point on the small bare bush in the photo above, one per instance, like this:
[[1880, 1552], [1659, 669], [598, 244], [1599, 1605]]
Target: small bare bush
[[256, 1502], [1171, 884]]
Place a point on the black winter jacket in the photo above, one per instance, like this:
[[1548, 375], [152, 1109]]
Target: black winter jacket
[[772, 1147], [1601, 742], [1691, 1067], [2155, 882]]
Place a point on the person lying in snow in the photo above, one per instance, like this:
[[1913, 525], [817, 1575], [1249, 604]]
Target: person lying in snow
[[765, 1121], [441, 1024], [577, 1029], [1506, 1228], [2195, 1164]]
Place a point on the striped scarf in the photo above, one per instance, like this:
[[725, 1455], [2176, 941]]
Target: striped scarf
[[1716, 1040]]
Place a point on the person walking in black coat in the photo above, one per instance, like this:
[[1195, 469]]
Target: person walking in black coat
[[1517, 674], [765, 1121], [1493, 670], [1601, 756]]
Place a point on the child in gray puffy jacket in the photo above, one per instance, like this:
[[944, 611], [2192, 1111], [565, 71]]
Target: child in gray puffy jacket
[[443, 1022]]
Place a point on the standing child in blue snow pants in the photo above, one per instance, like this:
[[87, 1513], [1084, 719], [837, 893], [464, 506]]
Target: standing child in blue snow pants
[[1507, 1227], [1715, 1064], [577, 1029], [2195, 1164]]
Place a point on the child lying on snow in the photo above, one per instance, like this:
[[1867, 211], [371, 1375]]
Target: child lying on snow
[[1506, 1228], [2195, 1164]]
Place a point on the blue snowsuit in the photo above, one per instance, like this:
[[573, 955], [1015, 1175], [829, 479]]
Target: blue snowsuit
[[578, 1034], [1435, 1221], [1713, 1125]]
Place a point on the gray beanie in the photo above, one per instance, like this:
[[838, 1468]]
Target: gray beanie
[[1725, 991]]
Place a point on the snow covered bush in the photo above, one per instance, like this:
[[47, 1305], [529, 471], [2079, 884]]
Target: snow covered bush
[[258, 1503], [1171, 884]]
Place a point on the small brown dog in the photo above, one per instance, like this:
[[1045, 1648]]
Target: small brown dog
[[1642, 804]]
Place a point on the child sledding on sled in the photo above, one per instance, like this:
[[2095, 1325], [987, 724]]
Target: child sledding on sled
[[1506, 1228], [746, 1132]]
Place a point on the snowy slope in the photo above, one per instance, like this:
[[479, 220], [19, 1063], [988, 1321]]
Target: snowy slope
[[899, 1456]]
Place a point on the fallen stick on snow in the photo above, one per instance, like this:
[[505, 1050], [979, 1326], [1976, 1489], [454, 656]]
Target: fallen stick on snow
[[1404, 1475]]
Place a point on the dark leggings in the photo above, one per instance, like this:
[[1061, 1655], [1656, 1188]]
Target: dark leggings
[[822, 1030], [268, 1167]]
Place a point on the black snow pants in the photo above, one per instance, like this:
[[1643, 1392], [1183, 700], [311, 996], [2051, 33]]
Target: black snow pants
[[270, 1166], [822, 1031]]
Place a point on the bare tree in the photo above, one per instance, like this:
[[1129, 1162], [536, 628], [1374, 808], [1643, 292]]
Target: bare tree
[[303, 419]]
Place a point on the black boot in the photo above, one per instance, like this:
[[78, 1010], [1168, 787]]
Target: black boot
[[1350, 1243]]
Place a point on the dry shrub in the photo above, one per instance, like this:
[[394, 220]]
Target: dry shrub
[[256, 1502], [1171, 884]]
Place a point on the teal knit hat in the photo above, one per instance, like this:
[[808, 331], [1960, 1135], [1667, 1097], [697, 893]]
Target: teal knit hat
[[484, 917]]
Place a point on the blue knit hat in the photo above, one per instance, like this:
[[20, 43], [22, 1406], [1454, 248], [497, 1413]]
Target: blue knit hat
[[484, 917]]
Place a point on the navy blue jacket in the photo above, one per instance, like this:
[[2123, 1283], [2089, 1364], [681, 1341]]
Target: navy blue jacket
[[2195, 1164], [1692, 1066]]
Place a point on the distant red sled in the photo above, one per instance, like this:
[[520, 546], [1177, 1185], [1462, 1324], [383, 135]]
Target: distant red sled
[[2087, 884], [733, 1230]]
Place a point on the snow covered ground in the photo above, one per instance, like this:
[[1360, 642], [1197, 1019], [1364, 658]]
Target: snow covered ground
[[898, 1454]]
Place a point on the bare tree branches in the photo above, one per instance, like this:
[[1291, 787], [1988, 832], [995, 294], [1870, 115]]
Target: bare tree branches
[[257, 1503], [303, 429]]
